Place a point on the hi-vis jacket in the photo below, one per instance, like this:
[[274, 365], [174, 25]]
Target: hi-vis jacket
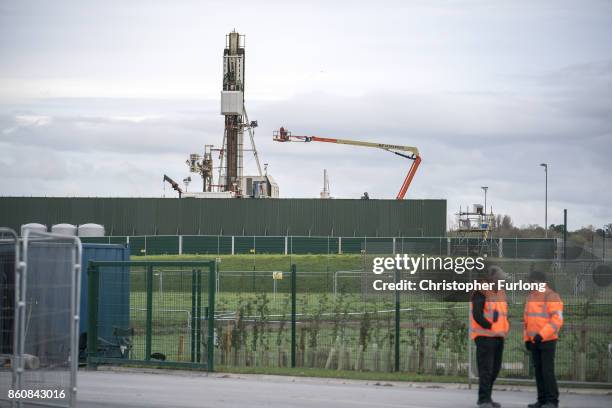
[[494, 301], [543, 315]]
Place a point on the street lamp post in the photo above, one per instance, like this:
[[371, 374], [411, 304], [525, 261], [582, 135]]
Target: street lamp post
[[485, 188], [606, 231], [545, 165]]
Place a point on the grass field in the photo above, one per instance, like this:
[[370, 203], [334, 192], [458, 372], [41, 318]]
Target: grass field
[[263, 262]]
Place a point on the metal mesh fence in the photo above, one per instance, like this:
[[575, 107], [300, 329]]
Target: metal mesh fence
[[327, 315], [8, 257], [584, 350], [150, 313], [40, 316], [252, 323], [343, 323], [52, 286]]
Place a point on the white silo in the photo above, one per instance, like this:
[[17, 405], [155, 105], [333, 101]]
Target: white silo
[[91, 230], [64, 229], [33, 226]]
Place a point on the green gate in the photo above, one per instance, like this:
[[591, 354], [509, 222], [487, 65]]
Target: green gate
[[153, 313]]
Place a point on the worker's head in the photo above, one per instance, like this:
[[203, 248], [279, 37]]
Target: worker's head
[[537, 277], [495, 273]]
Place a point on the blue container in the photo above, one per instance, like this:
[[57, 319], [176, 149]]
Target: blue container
[[114, 291]]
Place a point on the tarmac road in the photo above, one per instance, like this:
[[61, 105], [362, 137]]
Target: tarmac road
[[179, 389]]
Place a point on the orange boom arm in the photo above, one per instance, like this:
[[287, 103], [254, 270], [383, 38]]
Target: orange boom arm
[[408, 152]]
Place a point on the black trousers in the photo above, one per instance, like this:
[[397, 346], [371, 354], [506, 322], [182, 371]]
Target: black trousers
[[489, 351], [543, 356]]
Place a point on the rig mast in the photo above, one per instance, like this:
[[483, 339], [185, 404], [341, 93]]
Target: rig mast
[[231, 180], [232, 107]]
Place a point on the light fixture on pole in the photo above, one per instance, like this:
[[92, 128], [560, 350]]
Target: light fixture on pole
[[545, 165]]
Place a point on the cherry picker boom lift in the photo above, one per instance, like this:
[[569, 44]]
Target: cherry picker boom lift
[[408, 152]]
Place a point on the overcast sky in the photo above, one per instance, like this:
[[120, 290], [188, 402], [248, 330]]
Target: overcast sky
[[103, 98]]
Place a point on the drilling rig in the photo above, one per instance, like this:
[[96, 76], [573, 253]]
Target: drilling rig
[[231, 181]]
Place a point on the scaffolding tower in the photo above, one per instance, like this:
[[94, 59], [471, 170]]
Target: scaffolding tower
[[474, 233]]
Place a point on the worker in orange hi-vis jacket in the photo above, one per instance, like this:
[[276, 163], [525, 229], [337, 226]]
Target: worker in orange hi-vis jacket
[[489, 327], [543, 319]]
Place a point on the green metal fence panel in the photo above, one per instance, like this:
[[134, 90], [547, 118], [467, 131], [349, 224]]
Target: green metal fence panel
[[472, 246], [193, 244], [378, 245], [117, 240], [259, 245], [270, 245], [95, 240], [524, 248], [138, 246], [417, 246], [334, 245], [162, 245], [313, 245], [352, 245], [244, 245], [530, 248], [104, 240]]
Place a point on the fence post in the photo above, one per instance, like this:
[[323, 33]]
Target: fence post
[[180, 249], [92, 306], [293, 313], [232, 245], [339, 245], [217, 277], [469, 340], [193, 315], [397, 322], [211, 315], [421, 332], [516, 247], [564, 234], [198, 315], [286, 246], [149, 329], [501, 248]]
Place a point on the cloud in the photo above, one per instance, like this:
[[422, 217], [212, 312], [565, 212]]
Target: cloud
[[26, 121], [92, 132], [95, 151]]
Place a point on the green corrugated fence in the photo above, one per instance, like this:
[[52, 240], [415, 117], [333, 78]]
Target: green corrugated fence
[[244, 217]]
